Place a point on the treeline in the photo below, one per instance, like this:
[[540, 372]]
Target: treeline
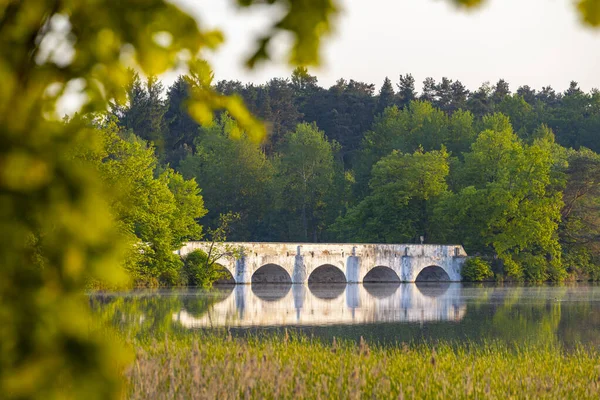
[[511, 176]]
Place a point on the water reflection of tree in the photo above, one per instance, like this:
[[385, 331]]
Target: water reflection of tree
[[137, 315], [533, 320], [151, 313], [509, 314], [200, 302], [581, 324]]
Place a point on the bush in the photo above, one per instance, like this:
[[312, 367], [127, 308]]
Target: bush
[[200, 272], [476, 270], [581, 263]]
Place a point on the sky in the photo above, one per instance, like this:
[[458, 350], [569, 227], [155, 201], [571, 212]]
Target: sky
[[534, 42]]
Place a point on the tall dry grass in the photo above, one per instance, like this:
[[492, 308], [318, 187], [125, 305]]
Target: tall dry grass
[[217, 366]]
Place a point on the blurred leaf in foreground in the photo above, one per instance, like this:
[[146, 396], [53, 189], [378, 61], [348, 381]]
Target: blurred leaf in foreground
[[56, 228]]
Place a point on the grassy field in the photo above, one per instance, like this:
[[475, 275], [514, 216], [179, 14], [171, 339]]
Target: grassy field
[[217, 366]]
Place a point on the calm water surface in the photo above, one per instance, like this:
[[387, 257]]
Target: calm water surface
[[379, 312]]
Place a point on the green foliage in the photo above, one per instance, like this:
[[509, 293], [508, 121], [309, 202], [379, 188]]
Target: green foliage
[[512, 205], [57, 227], [306, 21], [56, 218], [144, 113], [156, 211], [402, 187], [579, 229], [234, 174], [503, 185], [476, 269], [386, 96], [200, 271], [420, 125], [589, 10], [304, 179]]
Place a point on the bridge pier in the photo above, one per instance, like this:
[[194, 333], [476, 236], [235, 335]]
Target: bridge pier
[[243, 274], [299, 275], [353, 269]]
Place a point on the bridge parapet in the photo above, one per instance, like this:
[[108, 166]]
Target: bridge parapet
[[339, 262]]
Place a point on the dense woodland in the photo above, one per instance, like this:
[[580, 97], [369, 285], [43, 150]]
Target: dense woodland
[[512, 176]]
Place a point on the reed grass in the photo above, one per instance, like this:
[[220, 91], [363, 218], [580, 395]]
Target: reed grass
[[284, 366]]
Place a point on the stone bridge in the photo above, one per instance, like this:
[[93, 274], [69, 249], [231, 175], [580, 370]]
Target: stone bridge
[[333, 263]]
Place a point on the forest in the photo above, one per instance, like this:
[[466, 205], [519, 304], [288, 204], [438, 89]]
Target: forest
[[512, 176]]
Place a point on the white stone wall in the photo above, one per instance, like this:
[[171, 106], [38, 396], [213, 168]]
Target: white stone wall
[[299, 260]]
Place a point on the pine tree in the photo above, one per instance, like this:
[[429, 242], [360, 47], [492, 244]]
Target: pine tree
[[181, 128], [429, 90], [527, 93], [145, 111], [406, 90], [459, 96], [444, 95], [386, 96], [501, 90]]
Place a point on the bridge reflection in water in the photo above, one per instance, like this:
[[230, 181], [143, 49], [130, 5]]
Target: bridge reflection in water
[[319, 304]]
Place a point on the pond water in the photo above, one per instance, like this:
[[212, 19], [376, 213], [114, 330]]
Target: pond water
[[380, 313]]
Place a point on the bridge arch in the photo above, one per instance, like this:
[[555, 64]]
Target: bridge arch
[[381, 274], [433, 273], [227, 278], [327, 273], [271, 273]]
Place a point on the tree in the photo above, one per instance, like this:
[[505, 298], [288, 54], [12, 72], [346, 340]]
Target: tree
[[144, 112], [419, 126], [461, 133], [479, 102], [302, 81], [157, 214], [203, 269], [386, 96], [344, 112], [520, 112], [476, 270], [510, 205], [444, 95], [200, 272], [579, 232], [429, 90], [527, 93], [568, 119], [218, 238], [397, 208], [284, 114], [501, 90], [460, 95], [181, 127], [235, 176], [304, 177], [548, 96], [406, 90]]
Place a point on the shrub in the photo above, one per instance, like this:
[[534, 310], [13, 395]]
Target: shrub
[[200, 272], [476, 270]]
